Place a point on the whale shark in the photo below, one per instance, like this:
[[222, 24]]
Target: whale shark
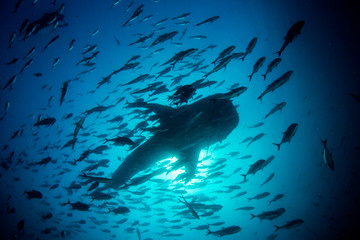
[[185, 132]]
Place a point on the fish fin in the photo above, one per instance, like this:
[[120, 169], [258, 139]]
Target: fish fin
[[278, 145], [277, 228], [252, 216]]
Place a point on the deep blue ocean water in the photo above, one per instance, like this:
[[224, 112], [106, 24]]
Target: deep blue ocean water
[[322, 97]]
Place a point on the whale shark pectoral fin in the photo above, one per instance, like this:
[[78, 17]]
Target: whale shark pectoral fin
[[190, 158]]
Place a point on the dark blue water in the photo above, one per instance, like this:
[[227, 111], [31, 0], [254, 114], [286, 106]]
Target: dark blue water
[[322, 97]]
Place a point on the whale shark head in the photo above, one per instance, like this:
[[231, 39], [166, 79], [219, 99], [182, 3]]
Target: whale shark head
[[185, 131]]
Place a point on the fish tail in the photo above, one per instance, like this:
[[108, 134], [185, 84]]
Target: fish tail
[[242, 58], [252, 216], [264, 75], [106, 140], [324, 141], [249, 199], [277, 228], [278, 145], [260, 98], [279, 53], [270, 202], [209, 232], [250, 76], [68, 202], [244, 175], [109, 211]]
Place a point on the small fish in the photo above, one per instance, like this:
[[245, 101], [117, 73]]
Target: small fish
[[182, 16], [293, 32], [33, 194], [247, 208], [13, 61], [288, 134], [45, 122], [27, 64], [37, 74], [259, 124], [63, 91], [259, 196], [277, 197], [11, 39], [271, 66], [183, 33], [129, 6], [224, 53], [209, 20], [160, 22], [20, 225], [290, 224], [225, 231], [31, 51], [190, 208], [10, 83], [116, 2], [268, 179], [327, 156], [95, 32], [199, 37], [278, 107], [117, 41], [71, 45], [24, 26], [276, 84], [56, 61], [134, 15], [51, 42], [256, 138], [18, 4], [250, 47], [257, 66], [269, 215], [356, 97]]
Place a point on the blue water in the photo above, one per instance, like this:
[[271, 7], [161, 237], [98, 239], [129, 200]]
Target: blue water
[[324, 60]]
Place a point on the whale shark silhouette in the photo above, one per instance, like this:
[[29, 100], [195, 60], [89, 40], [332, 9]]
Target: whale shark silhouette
[[186, 131]]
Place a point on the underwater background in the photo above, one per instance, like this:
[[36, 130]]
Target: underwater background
[[77, 44]]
